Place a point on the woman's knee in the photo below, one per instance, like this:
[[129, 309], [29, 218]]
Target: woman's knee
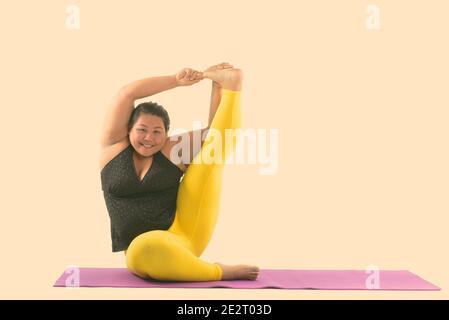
[[146, 241], [152, 253], [144, 247]]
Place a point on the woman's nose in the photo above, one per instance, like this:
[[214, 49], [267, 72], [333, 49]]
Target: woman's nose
[[148, 137]]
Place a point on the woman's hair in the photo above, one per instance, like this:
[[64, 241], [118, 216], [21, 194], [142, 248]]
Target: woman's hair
[[149, 108]]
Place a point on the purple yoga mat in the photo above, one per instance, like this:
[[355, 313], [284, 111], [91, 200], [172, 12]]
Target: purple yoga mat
[[268, 278]]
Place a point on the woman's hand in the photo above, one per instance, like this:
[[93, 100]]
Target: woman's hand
[[223, 65], [188, 76]]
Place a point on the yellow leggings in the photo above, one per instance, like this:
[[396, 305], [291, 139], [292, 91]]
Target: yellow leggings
[[173, 254]]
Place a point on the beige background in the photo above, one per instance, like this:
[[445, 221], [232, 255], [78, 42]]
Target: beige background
[[362, 118]]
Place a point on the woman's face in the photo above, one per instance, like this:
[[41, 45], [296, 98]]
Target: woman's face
[[148, 135]]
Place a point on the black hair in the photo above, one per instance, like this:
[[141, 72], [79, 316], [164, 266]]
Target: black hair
[[149, 108]]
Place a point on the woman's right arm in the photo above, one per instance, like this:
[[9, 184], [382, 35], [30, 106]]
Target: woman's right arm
[[115, 126], [150, 86]]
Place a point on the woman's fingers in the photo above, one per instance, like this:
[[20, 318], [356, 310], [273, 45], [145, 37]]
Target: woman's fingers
[[195, 75], [183, 74], [220, 66], [188, 72], [188, 75], [225, 65]]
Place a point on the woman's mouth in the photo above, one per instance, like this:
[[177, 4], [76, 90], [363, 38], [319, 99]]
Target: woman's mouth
[[147, 146]]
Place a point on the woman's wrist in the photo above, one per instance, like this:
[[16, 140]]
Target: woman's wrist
[[175, 81]]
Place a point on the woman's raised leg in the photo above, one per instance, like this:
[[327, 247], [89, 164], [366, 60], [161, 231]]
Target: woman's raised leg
[[199, 192]]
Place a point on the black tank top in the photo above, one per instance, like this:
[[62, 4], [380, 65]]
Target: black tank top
[[136, 206]]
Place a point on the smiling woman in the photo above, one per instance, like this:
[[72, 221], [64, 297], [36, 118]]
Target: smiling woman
[[162, 223], [147, 128]]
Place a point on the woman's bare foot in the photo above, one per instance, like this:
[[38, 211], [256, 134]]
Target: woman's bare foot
[[239, 271], [229, 78]]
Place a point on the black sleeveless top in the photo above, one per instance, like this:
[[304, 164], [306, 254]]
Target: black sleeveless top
[[136, 206]]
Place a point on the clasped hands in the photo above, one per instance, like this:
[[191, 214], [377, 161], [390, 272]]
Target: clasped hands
[[189, 76]]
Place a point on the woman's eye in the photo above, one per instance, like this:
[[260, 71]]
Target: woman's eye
[[156, 132]]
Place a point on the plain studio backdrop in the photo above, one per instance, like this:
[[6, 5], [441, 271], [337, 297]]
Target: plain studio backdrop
[[361, 114]]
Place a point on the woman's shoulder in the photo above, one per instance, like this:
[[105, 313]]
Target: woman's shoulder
[[166, 151], [108, 153]]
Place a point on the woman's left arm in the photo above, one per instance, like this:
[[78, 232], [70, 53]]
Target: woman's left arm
[[215, 98]]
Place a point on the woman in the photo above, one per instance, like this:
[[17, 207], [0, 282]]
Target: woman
[[164, 224]]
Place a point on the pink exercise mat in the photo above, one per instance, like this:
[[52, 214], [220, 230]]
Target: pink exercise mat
[[268, 278]]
